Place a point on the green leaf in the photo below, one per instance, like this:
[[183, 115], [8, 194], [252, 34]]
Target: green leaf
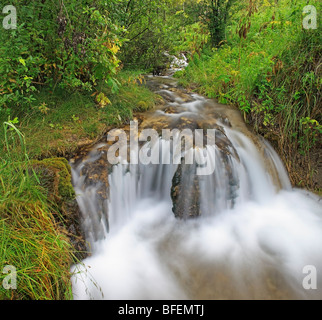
[[22, 61]]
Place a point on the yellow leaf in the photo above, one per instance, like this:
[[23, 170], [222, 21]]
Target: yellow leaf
[[115, 49], [22, 61]]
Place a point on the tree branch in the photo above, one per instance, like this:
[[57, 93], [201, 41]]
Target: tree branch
[[139, 34]]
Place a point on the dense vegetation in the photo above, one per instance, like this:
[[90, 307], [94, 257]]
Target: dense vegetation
[[73, 68], [270, 67]]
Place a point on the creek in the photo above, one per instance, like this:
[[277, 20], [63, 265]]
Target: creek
[[161, 231]]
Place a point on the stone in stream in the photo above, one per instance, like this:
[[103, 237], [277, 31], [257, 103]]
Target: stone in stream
[[186, 190]]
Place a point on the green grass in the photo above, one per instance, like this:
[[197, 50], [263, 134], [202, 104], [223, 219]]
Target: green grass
[[30, 239], [41, 255], [273, 76], [58, 123], [33, 237]]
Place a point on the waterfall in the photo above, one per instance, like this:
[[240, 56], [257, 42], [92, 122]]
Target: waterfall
[[251, 235]]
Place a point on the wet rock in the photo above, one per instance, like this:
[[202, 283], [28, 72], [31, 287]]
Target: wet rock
[[157, 123], [186, 184], [182, 95], [185, 193], [75, 232], [186, 123], [159, 71], [171, 110], [95, 172]]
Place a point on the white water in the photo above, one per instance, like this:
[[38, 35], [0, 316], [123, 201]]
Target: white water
[[258, 249], [177, 63], [251, 242]]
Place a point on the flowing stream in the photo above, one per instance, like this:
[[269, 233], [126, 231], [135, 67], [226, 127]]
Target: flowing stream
[[160, 231]]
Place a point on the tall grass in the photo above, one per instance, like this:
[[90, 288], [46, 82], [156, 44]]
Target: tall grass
[[30, 239], [272, 73]]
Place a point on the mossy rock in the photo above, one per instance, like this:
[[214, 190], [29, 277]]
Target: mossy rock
[[55, 176]]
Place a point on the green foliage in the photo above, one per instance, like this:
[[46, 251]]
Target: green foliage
[[70, 44], [270, 67], [215, 15], [66, 121], [148, 32], [191, 38]]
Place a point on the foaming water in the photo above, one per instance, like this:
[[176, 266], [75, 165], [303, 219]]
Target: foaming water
[[253, 240], [255, 250], [252, 251]]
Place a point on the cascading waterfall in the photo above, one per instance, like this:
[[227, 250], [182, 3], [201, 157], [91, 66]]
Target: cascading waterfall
[[253, 237]]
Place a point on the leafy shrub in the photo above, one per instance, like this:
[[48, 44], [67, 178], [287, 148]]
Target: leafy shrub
[[70, 44]]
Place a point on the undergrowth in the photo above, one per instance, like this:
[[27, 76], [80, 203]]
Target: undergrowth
[[59, 122], [31, 237], [270, 68]]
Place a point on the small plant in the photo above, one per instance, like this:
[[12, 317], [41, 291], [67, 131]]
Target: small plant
[[102, 100], [74, 118], [56, 126], [311, 130], [43, 108], [243, 103]]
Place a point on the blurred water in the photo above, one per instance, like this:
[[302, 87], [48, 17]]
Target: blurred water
[[253, 240]]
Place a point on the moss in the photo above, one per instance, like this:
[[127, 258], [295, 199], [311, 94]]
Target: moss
[[55, 176]]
